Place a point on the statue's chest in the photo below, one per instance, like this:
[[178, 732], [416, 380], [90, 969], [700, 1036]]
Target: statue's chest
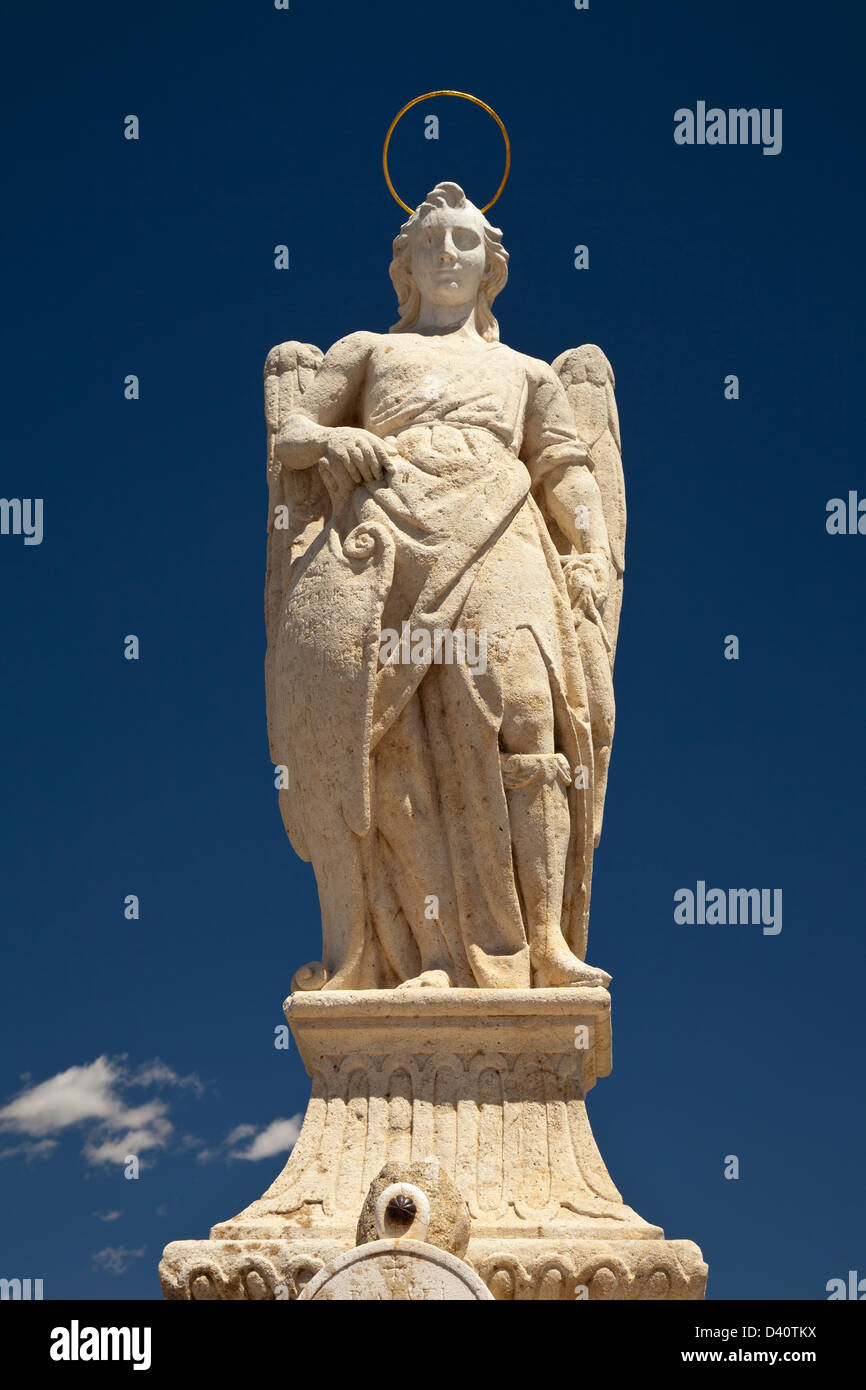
[[416, 379]]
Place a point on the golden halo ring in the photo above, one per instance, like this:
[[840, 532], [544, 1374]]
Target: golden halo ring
[[445, 93]]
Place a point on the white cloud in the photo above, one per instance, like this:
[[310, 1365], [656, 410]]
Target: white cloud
[[70, 1097], [152, 1131], [157, 1073], [42, 1148], [91, 1096], [107, 1215], [240, 1132], [184, 1142], [116, 1259], [276, 1138]]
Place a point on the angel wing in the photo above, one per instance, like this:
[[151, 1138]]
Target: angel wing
[[298, 504], [589, 383], [588, 380]]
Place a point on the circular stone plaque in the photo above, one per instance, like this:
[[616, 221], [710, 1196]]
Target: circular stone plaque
[[393, 1270]]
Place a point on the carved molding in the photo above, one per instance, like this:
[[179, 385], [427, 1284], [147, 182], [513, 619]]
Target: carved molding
[[630, 1271], [544, 1271], [214, 1271]]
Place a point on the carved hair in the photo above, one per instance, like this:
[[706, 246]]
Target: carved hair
[[408, 296]]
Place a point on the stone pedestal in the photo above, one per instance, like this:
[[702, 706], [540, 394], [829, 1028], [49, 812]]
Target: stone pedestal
[[492, 1084]]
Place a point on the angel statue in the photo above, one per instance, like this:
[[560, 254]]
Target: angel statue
[[445, 560]]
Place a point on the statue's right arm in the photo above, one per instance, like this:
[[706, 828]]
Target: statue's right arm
[[315, 431]]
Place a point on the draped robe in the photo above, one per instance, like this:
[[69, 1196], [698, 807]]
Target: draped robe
[[396, 789]]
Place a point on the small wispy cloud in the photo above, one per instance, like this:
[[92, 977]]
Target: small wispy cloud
[[157, 1073], [277, 1138], [42, 1148], [239, 1132], [107, 1215], [116, 1259]]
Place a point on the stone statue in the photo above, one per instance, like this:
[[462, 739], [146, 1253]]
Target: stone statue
[[445, 559], [442, 598], [445, 563]]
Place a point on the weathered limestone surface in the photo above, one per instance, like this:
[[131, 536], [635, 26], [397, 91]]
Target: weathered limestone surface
[[446, 1223]]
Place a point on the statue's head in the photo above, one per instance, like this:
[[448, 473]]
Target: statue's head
[[448, 254]]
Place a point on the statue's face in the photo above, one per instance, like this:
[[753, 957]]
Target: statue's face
[[448, 256]]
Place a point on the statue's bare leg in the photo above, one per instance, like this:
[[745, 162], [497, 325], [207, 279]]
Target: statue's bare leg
[[536, 780]]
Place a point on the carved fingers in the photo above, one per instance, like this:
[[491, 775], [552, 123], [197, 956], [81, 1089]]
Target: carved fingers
[[586, 580], [359, 454]]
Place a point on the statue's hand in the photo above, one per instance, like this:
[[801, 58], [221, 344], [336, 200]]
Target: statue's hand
[[356, 455], [586, 581]]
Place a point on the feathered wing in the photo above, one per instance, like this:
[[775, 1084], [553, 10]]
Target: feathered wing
[[298, 504], [589, 383], [588, 380]]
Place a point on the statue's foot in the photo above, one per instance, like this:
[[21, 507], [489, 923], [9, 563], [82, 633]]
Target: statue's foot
[[554, 967], [428, 979]]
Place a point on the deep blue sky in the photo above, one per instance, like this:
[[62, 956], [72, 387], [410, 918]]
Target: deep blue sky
[[261, 127]]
